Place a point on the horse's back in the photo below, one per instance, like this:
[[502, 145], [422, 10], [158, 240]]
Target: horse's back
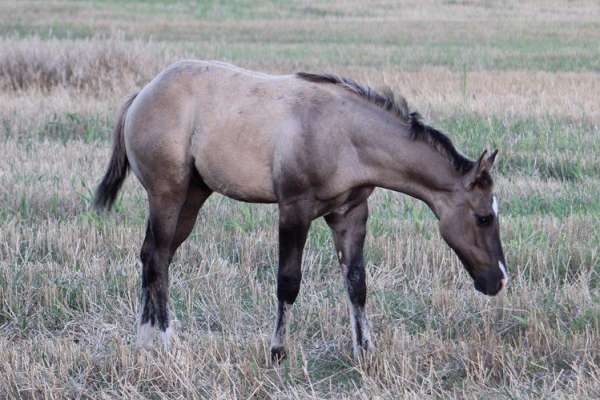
[[241, 114], [229, 123]]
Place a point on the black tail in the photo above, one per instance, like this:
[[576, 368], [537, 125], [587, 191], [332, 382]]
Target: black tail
[[107, 191]]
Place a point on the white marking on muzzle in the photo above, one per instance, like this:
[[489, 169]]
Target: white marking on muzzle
[[504, 274], [495, 205]]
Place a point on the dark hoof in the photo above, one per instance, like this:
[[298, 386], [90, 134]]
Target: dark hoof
[[278, 354]]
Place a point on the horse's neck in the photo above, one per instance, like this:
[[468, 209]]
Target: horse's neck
[[394, 161]]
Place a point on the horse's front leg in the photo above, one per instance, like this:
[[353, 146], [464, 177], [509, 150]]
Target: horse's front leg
[[349, 229], [293, 229]]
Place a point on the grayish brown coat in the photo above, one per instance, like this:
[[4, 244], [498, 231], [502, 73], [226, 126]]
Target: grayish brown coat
[[317, 145]]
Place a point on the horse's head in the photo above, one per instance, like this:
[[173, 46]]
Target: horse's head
[[469, 224]]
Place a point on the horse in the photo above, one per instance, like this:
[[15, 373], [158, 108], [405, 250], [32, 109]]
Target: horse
[[317, 145]]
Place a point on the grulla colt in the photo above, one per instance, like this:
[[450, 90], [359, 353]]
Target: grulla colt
[[317, 145]]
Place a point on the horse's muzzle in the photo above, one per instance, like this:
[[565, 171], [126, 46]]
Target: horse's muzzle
[[490, 284]]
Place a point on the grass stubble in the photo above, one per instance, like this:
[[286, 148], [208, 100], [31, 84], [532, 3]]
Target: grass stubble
[[512, 76]]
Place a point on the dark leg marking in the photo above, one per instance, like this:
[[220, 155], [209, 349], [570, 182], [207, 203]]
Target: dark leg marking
[[349, 230], [293, 230], [171, 221]]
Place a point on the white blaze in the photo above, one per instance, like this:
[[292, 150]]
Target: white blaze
[[504, 274], [495, 205]]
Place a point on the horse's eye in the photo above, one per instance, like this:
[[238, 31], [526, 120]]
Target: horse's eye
[[484, 220]]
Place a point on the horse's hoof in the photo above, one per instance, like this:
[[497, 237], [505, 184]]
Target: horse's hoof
[[278, 354], [363, 352], [145, 336]]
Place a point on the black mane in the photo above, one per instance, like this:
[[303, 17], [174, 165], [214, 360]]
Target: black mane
[[399, 107]]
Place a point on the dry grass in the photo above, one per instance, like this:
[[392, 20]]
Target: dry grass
[[523, 77], [89, 65]]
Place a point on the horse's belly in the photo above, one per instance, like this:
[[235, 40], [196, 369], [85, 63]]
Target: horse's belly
[[242, 173]]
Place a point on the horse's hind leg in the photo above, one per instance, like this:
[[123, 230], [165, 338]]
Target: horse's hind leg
[[349, 229], [155, 256], [171, 220], [196, 196]]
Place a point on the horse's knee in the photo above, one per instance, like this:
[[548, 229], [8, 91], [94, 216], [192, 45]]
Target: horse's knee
[[288, 286]]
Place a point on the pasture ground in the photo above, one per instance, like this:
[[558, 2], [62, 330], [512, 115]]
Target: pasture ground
[[520, 76]]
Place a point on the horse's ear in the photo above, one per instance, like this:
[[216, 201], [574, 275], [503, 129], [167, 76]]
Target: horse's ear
[[490, 160], [480, 174]]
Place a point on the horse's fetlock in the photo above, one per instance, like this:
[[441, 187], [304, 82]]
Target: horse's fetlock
[[278, 354]]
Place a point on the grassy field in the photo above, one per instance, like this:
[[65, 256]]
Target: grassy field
[[523, 77]]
